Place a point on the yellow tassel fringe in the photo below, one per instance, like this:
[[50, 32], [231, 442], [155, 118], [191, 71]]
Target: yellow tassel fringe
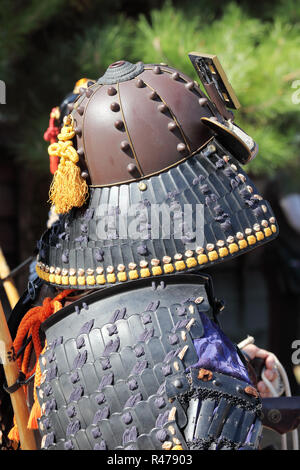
[[68, 189]]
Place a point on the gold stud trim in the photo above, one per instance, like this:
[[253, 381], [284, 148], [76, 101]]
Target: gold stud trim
[[145, 272], [180, 265], [111, 278], [191, 262], [90, 280], [199, 256], [233, 248], [142, 186], [273, 228], [100, 279], [168, 268], [259, 235], [73, 280], [251, 239], [133, 274], [242, 244], [156, 271], [223, 252], [213, 255], [122, 276]]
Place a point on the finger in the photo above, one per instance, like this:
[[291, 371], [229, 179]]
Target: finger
[[262, 353], [263, 390], [267, 356], [270, 361], [262, 387], [270, 374], [251, 350]]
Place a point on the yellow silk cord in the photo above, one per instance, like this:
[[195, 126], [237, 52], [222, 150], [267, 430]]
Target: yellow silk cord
[[68, 189]]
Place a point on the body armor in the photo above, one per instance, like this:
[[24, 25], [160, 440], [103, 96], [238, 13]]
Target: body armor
[[129, 367]]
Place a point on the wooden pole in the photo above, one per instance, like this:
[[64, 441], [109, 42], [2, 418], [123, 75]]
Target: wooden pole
[[18, 398], [9, 286]]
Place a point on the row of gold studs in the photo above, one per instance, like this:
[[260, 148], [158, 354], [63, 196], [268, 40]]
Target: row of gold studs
[[63, 277]]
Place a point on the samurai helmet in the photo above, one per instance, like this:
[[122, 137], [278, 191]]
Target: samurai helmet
[[149, 180]]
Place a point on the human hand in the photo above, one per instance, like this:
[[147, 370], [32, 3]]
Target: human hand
[[271, 374]]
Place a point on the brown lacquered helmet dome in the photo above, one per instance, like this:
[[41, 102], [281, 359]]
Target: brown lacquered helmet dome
[[138, 120]]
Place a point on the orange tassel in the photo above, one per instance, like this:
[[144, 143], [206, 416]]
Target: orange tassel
[[31, 324], [13, 434], [35, 414]]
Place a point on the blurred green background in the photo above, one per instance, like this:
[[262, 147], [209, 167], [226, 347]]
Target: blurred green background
[[46, 46]]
